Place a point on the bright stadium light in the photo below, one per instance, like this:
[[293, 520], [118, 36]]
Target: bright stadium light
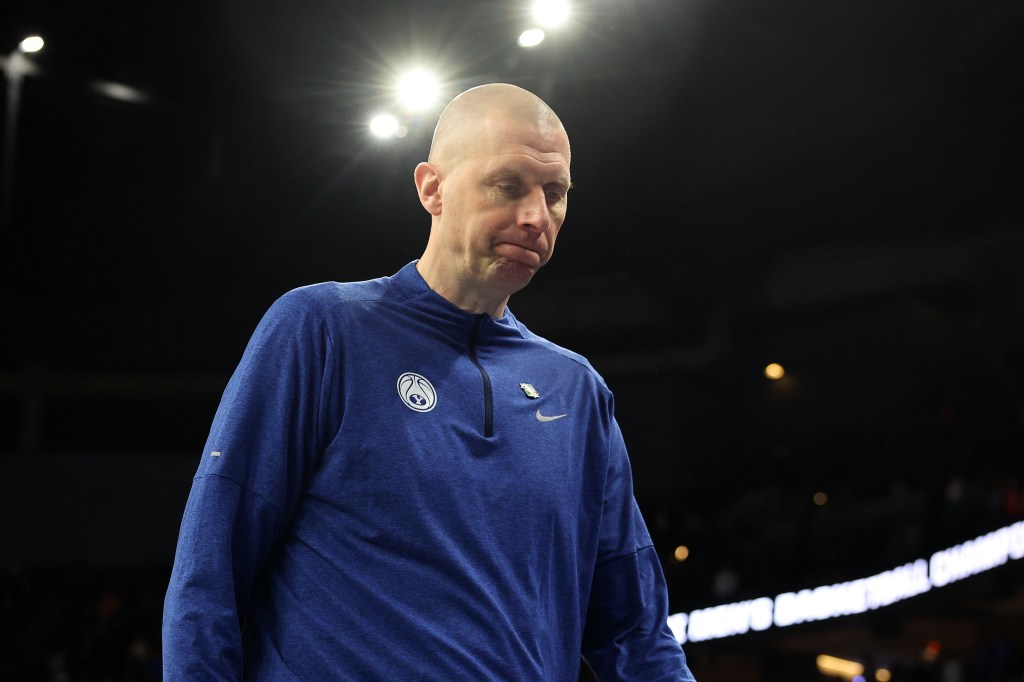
[[418, 90], [531, 37], [31, 44], [551, 13], [384, 125]]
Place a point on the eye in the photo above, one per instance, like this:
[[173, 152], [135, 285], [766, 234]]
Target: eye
[[555, 194], [508, 188]]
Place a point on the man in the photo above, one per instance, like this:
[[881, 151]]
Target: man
[[402, 482]]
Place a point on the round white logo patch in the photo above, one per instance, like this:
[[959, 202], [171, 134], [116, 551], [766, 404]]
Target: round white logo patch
[[416, 392]]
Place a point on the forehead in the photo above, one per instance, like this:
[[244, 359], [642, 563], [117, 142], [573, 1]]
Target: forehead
[[508, 142]]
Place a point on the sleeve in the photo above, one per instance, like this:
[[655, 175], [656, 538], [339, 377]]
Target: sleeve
[[626, 636], [262, 445]]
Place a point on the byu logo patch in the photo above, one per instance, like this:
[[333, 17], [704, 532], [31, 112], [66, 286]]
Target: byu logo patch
[[416, 392]]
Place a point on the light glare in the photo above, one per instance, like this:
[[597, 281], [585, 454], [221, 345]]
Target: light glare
[[682, 553], [384, 125], [417, 90], [775, 371], [531, 37], [31, 44], [551, 13]]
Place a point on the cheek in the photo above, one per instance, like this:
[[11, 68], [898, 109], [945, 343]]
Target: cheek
[[555, 230], [491, 222], [552, 238]]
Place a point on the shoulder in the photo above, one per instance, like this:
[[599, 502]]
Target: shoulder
[[315, 311], [325, 295], [563, 356], [323, 300]]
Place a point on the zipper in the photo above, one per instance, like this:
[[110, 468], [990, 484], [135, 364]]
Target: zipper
[[488, 404]]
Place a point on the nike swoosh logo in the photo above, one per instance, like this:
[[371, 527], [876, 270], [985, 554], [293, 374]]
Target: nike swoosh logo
[[542, 418]]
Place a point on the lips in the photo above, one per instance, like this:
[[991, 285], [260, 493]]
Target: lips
[[528, 255]]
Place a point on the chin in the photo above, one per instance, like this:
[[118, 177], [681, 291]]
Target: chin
[[513, 274]]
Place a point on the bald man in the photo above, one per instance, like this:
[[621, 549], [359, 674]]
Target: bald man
[[402, 482]]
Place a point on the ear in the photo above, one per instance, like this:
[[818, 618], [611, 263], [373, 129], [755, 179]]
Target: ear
[[428, 186]]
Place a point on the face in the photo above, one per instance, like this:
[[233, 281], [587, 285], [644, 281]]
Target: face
[[503, 203]]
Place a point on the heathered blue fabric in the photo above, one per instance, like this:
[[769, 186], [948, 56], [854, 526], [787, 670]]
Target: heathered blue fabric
[[341, 535]]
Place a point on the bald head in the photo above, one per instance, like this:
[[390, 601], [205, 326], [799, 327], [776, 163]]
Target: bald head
[[466, 115]]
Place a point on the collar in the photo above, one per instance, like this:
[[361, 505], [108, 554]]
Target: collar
[[446, 316]]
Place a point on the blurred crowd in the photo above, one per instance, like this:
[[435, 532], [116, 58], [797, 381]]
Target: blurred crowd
[[81, 623]]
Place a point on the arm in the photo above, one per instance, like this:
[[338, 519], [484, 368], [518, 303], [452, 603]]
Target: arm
[[262, 444], [626, 636]]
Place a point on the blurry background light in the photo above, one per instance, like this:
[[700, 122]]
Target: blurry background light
[[551, 13], [384, 125], [774, 371], [531, 37], [682, 553], [820, 499], [883, 675], [839, 667], [931, 651], [120, 92], [31, 44], [418, 90]]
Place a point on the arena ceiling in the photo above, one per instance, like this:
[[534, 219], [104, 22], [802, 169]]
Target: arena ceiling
[[737, 166]]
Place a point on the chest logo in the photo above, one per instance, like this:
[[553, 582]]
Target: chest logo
[[416, 392], [545, 418]]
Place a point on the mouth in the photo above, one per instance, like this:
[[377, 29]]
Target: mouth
[[521, 254]]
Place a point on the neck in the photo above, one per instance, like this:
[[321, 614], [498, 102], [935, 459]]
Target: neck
[[463, 293]]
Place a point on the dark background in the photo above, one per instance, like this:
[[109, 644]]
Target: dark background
[[836, 186]]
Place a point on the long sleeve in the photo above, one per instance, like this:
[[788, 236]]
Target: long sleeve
[[626, 636], [263, 443]]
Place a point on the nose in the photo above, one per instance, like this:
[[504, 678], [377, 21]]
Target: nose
[[534, 213]]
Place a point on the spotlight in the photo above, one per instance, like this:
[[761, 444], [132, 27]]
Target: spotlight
[[531, 37], [417, 90], [384, 125], [551, 13], [31, 44]]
